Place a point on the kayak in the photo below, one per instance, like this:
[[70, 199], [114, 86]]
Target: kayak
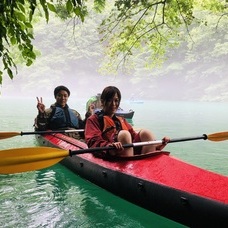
[[125, 114], [157, 181]]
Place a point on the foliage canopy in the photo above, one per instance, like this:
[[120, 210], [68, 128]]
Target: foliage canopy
[[133, 27]]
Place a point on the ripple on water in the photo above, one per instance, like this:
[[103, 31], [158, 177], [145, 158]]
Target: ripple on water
[[56, 197]]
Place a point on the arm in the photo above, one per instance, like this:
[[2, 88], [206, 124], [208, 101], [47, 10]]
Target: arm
[[42, 119]]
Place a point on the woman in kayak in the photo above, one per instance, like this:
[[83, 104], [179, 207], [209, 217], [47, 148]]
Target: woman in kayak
[[59, 115], [104, 129]]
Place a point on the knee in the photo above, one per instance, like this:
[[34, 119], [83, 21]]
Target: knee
[[124, 133], [124, 136], [146, 134]]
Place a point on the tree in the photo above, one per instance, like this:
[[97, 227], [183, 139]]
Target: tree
[[133, 27], [150, 28], [16, 27]]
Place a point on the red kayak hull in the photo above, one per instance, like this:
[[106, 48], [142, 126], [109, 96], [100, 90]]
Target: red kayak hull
[[158, 182]]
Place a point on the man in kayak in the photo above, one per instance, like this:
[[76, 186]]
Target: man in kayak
[[104, 129], [59, 115]]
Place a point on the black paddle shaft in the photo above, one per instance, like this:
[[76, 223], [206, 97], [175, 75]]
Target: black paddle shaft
[[51, 132], [33, 133], [204, 136], [96, 149]]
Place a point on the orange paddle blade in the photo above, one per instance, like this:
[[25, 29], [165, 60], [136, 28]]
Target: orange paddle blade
[[220, 136], [5, 135], [28, 159]]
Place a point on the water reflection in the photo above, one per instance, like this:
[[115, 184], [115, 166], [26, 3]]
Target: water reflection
[[56, 197], [53, 182]]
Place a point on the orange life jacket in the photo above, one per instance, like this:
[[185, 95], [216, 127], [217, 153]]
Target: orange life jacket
[[111, 127]]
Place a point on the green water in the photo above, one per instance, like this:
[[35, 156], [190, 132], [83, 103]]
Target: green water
[[55, 197]]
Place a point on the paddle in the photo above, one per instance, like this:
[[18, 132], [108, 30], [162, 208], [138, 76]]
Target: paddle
[[5, 135], [28, 159]]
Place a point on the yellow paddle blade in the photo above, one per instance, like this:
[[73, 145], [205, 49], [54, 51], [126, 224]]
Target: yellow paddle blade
[[5, 135], [220, 136], [28, 159]]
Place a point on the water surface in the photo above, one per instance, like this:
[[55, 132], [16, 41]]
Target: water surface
[[56, 197]]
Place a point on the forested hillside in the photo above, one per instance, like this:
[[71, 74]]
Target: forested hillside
[[72, 55]]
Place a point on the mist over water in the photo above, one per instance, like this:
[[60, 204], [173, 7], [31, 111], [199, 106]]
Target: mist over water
[[75, 60]]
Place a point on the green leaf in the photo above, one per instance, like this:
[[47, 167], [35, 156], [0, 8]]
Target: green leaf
[[29, 62], [51, 7], [21, 7], [99, 5], [28, 25], [20, 16], [10, 73], [77, 11], [45, 9], [13, 40], [1, 73], [69, 6]]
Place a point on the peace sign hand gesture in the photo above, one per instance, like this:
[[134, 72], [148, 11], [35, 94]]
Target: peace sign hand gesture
[[40, 106]]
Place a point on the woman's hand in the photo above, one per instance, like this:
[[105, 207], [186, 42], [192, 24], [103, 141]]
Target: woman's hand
[[165, 141], [40, 106], [118, 147]]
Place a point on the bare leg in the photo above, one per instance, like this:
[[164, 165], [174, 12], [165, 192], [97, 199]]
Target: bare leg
[[125, 137], [146, 135]]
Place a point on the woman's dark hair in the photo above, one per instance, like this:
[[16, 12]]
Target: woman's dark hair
[[59, 88], [108, 93]]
